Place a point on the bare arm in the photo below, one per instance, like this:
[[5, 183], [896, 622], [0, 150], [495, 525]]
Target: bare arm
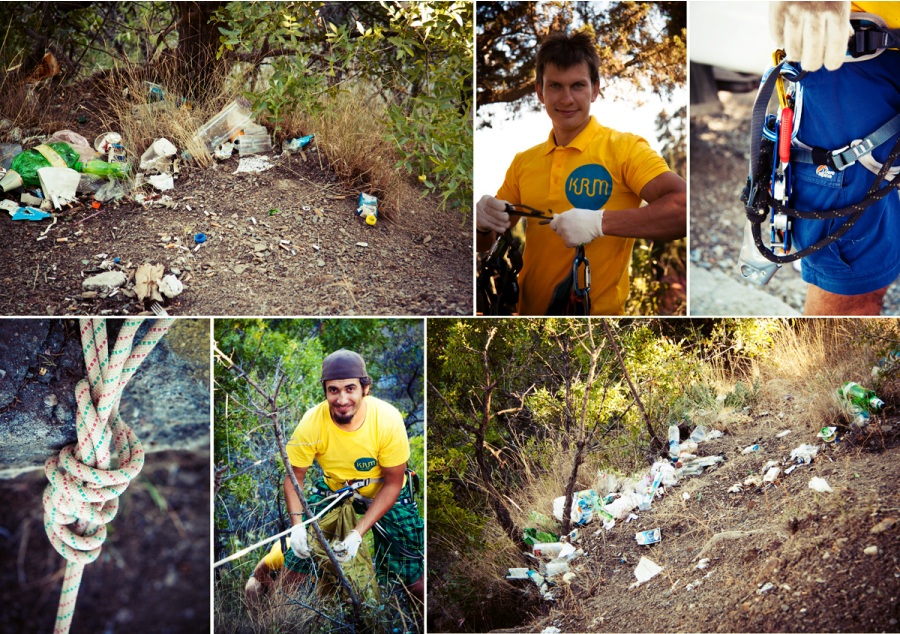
[[663, 218], [290, 496], [390, 490]]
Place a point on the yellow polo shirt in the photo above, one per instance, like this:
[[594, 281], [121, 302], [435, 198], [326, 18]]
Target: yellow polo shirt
[[600, 169], [381, 441], [890, 11]]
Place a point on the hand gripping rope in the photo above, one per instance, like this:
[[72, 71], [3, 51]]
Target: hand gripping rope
[[83, 493]]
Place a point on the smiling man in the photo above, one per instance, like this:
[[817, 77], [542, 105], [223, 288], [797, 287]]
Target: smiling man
[[593, 178], [356, 437]]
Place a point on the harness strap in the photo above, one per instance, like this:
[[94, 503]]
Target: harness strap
[[868, 39], [846, 156]]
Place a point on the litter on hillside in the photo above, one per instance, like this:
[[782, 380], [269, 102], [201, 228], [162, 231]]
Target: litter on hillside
[[820, 485], [647, 538], [645, 571]]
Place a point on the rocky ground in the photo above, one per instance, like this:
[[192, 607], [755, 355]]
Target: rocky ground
[[718, 171], [782, 558], [285, 241]]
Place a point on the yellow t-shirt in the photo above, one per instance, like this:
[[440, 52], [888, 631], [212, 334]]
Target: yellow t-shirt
[[381, 441], [890, 11], [275, 558], [600, 168]]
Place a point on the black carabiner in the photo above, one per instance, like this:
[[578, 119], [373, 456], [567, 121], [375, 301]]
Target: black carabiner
[[528, 212]]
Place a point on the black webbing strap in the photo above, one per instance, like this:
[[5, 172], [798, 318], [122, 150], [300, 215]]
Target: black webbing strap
[[758, 200]]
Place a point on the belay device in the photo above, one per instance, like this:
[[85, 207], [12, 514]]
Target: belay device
[[774, 146]]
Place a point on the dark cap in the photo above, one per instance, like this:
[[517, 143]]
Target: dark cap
[[343, 364]]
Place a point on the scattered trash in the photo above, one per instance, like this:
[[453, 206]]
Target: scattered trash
[[693, 586], [772, 474], [59, 184], [827, 434], [886, 364], [162, 182], [819, 484], [9, 206], [568, 577], [556, 568], [253, 140], [645, 571], [111, 190], [30, 213], [295, 145], [159, 155], [697, 465], [367, 208], [883, 525], [170, 286], [224, 151], [674, 438], [804, 453], [859, 402], [105, 281], [702, 564], [146, 281], [517, 573], [551, 630], [646, 538], [362, 244], [536, 577], [651, 492], [24, 167], [737, 488], [871, 550], [750, 449], [783, 433], [549, 550], [226, 125], [631, 517], [78, 143], [769, 585], [754, 481], [584, 504], [532, 536], [254, 165], [105, 141]]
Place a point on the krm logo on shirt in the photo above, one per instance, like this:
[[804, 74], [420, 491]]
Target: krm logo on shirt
[[589, 187], [365, 464]]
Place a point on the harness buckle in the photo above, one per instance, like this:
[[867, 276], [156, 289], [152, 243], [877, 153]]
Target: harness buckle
[[867, 40]]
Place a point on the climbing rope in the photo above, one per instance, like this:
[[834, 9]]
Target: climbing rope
[[83, 491]]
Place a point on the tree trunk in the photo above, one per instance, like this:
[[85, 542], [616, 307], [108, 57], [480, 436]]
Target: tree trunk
[[198, 41]]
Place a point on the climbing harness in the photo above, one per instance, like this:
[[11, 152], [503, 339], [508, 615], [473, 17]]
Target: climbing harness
[[83, 491], [349, 490], [774, 146]]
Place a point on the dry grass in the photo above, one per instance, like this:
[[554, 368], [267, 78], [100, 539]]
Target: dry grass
[[350, 135]]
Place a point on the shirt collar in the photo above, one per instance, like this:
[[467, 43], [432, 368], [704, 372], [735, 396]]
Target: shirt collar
[[580, 142]]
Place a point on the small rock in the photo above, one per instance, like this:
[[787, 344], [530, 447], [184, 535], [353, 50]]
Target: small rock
[[240, 268], [89, 295], [320, 263], [426, 240], [260, 247], [51, 400], [109, 279], [871, 550], [883, 525]]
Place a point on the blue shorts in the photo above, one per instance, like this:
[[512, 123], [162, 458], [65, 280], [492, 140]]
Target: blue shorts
[[839, 107]]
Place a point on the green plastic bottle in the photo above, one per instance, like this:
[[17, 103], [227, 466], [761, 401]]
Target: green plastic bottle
[[102, 168], [24, 168]]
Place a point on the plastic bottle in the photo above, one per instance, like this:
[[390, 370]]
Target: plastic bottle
[[23, 171], [856, 394], [547, 550], [102, 168], [674, 440]]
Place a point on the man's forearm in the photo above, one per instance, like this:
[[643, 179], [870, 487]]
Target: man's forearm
[[381, 504], [292, 501], [663, 219]]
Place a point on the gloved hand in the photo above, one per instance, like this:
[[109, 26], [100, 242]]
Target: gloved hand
[[578, 226], [299, 542], [490, 214], [346, 550], [813, 33]]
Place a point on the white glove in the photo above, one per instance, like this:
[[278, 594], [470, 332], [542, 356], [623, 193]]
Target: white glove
[[299, 542], [578, 226], [813, 33], [490, 214], [346, 550]]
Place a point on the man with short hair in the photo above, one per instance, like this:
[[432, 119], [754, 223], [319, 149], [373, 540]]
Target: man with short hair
[[357, 437], [597, 175]]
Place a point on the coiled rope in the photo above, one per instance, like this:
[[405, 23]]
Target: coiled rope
[[83, 491]]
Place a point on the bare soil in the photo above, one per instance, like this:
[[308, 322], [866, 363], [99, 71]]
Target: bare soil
[[810, 546], [153, 570], [286, 241]]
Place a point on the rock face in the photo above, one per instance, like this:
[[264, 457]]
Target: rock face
[[166, 402]]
